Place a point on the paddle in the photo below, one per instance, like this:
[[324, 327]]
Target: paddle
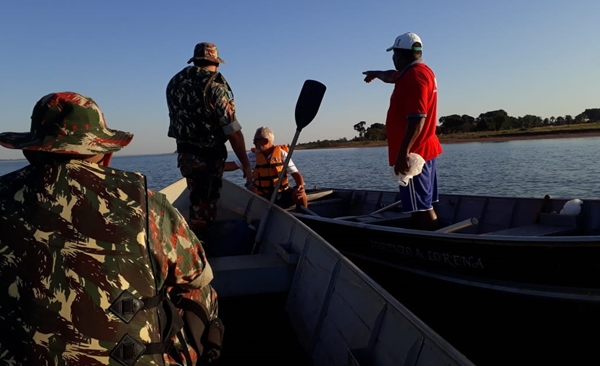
[[307, 107], [383, 209], [386, 208]]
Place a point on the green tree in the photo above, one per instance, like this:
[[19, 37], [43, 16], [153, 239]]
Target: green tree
[[360, 128], [592, 114], [376, 132], [581, 118], [494, 121], [569, 119], [455, 124], [530, 121]]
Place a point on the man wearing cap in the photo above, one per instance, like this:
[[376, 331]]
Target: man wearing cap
[[202, 119], [410, 126], [87, 253]]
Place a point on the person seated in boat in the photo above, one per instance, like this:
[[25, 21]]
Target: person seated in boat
[[266, 161], [95, 267]]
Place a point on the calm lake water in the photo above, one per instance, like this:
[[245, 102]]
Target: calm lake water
[[560, 167]]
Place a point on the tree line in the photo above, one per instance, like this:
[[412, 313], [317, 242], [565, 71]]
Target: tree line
[[489, 121]]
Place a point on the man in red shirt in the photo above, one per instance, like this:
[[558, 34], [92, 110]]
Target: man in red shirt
[[410, 126]]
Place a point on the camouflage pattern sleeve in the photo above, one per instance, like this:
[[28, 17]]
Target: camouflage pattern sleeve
[[221, 99], [178, 254]]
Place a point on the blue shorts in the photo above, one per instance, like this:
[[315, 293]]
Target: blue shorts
[[421, 191]]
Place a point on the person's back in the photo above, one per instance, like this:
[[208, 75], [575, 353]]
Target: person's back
[[194, 123], [202, 119], [87, 253], [78, 239]]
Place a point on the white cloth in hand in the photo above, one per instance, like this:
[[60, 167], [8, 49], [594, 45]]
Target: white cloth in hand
[[415, 162]]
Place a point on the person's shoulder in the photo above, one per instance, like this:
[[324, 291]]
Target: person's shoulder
[[178, 78], [156, 198], [423, 68], [283, 150], [182, 73], [422, 72], [220, 87], [219, 81]]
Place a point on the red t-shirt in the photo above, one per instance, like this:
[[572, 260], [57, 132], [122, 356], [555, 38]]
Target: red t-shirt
[[414, 95]]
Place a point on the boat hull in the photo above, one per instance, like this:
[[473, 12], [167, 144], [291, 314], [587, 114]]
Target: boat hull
[[518, 245]]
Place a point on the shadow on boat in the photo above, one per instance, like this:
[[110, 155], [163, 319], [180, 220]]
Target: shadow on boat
[[493, 328]]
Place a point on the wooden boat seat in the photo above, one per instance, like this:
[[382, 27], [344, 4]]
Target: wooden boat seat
[[534, 230]]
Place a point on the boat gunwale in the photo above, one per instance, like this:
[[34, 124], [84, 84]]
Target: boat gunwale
[[485, 238]]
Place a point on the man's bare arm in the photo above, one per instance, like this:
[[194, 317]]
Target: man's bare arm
[[413, 130], [236, 139], [385, 76], [231, 166], [298, 179]]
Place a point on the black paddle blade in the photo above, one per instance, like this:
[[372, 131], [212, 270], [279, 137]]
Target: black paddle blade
[[308, 102]]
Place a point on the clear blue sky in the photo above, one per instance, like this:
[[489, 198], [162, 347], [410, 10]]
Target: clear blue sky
[[536, 57]]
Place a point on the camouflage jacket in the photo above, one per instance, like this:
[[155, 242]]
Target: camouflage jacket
[[201, 108], [73, 237]]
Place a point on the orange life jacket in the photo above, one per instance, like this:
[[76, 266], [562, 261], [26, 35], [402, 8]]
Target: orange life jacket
[[266, 172]]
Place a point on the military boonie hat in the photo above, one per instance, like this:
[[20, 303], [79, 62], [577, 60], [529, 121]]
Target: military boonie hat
[[206, 51], [67, 123]]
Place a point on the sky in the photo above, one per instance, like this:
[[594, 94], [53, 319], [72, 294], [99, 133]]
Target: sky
[[539, 57]]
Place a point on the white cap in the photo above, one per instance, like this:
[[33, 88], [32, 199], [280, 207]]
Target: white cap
[[406, 41]]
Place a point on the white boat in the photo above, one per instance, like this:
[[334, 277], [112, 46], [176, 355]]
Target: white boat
[[297, 300]]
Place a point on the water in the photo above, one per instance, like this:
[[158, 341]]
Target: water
[[559, 167]]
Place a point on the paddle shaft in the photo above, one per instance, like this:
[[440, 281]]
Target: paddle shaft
[[307, 107], [390, 206], [265, 219]]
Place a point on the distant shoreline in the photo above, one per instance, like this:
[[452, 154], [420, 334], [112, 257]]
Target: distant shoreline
[[458, 140], [521, 137], [443, 140]]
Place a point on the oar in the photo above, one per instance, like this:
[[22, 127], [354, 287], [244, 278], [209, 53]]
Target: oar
[[307, 107], [386, 208], [383, 209]]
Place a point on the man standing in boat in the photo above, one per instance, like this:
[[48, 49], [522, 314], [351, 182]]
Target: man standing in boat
[[92, 263], [411, 125], [267, 160], [202, 119]]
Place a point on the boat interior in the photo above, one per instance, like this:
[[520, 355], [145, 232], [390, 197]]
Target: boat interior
[[297, 300], [481, 215]]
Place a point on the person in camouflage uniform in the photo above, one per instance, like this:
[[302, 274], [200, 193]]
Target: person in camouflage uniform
[[202, 119], [88, 256]]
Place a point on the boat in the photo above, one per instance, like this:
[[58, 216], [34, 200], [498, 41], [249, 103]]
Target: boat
[[518, 245], [299, 301], [287, 297]]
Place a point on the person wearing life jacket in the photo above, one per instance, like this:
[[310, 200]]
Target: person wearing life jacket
[[95, 269], [267, 161]]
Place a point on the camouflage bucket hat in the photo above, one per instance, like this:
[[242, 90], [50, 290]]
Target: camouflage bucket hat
[[206, 51], [67, 123]]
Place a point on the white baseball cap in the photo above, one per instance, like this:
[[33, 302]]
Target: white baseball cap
[[406, 41]]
